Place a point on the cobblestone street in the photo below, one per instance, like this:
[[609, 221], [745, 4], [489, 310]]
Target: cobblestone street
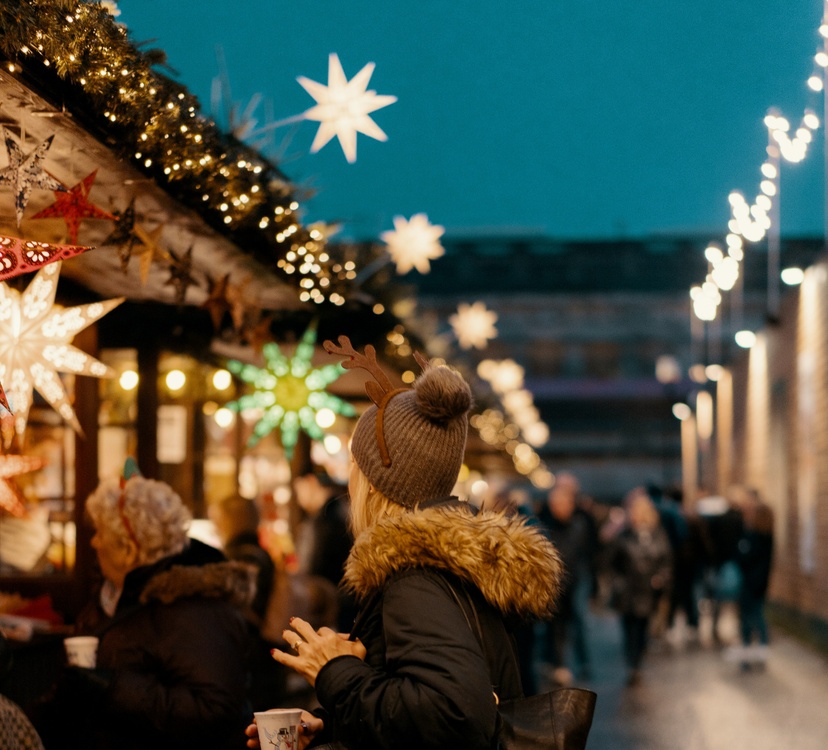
[[692, 698]]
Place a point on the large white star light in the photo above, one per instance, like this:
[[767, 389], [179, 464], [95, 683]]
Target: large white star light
[[35, 345], [412, 244], [342, 107], [473, 325]]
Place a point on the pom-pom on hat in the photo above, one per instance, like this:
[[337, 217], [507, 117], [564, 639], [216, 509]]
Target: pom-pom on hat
[[410, 443]]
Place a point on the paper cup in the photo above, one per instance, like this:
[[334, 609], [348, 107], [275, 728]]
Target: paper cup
[[81, 650], [279, 728]]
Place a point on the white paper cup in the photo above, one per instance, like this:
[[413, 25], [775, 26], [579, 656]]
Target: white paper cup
[[279, 728], [81, 650]]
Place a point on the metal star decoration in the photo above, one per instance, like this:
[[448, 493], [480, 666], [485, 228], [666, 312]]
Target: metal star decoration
[[290, 392], [12, 465], [35, 336], [181, 277], [343, 106], [413, 243], [216, 303], [26, 172], [74, 206], [473, 325], [123, 235]]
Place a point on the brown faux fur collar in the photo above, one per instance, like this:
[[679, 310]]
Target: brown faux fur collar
[[515, 567], [224, 580]]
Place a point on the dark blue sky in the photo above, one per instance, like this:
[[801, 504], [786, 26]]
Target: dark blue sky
[[571, 118]]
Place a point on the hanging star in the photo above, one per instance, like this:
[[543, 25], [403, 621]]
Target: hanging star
[[473, 325], [259, 334], [12, 465], [239, 303], [412, 244], [289, 392], [151, 250], [74, 206], [35, 336], [342, 107], [26, 172], [181, 277], [216, 303], [123, 235], [22, 256]]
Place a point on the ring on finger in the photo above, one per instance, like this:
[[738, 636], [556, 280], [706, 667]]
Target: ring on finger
[[295, 646]]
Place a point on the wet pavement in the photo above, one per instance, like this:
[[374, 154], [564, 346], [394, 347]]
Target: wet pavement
[[691, 697]]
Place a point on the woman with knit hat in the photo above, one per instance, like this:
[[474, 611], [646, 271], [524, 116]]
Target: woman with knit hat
[[432, 579]]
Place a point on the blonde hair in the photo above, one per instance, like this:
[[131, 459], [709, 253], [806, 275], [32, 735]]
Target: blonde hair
[[151, 514], [368, 504]]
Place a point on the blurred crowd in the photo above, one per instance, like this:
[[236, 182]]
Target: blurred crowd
[[659, 565]]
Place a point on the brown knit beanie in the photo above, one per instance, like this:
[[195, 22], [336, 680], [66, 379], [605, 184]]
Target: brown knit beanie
[[410, 443]]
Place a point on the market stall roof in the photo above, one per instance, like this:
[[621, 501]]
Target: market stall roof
[[70, 72], [74, 154]]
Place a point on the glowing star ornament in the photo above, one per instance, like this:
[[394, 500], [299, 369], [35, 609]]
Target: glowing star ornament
[[473, 325], [23, 256], [74, 206], [342, 107], [289, 392], [35, 336], [12, 465], [25, 173], [412, 244]]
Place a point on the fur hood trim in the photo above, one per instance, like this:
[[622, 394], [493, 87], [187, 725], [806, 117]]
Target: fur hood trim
[[515, 567], [234, 581]]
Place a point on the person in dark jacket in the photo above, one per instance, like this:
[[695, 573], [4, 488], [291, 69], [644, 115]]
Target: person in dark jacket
[[171, 663], [415, 673], [641, 564], [754, 556]]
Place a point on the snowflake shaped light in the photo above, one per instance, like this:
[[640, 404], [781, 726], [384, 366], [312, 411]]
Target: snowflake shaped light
[[412, 244], [473, 325], [35, 336], [289, 392], [342, 107]]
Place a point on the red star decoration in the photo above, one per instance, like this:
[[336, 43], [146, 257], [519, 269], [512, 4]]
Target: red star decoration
[[216, 302], [22, 256], [3, 400], [75, 206], [11, 498]]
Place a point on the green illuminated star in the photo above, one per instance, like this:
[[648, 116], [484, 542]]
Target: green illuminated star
[[289, 392]]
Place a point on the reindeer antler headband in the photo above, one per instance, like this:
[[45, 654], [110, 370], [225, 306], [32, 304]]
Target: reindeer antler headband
[[381, 391]]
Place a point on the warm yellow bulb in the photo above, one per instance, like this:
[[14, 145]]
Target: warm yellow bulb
[[222, 380], [128, 380], [175, 380]]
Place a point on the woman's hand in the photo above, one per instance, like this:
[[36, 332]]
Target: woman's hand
[[309, 727], [314, 649]]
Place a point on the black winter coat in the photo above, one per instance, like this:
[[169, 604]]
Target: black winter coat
[[425, 682], [171, 670]]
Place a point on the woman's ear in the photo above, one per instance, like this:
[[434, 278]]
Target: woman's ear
[[131, 553]]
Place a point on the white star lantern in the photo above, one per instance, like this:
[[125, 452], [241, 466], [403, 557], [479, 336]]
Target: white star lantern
[[473, 325], [342, 107], [35, 336], [412, 244]]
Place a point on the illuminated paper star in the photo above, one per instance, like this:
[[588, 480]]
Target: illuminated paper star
[[289, 392], [151, 250], [412, 244], [342, 107], [11, 498], [74, 206], [23, 256], [26, 172], [473, 325], [35, 336]]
